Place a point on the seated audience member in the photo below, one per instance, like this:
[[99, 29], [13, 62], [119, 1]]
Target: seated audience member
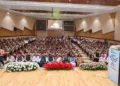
[[2, 59], [10, 58], [96, 58], [65, 58], [19, 58], [59, 58], [79, 60], [47, 58], [72, 61], [103, 58], [28, 58], [51, 58], [43, 60], [36, 58]]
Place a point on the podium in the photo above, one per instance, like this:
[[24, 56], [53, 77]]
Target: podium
[[114, 65]]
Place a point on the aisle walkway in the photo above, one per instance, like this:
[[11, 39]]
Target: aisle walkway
[[85, 57]]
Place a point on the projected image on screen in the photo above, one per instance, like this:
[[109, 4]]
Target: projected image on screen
[[54, 24]]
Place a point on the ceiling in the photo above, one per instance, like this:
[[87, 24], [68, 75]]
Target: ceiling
[[92, 2], [69, 9]]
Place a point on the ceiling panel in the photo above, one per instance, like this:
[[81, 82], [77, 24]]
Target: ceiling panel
[[94, 2], [45, 11]]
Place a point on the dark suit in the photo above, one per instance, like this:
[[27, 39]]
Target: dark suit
[[1, 59], [43, 61]]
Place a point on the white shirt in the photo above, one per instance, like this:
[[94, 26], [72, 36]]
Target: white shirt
[[47, 60], [10, 59], [59, 59], [36, 59]]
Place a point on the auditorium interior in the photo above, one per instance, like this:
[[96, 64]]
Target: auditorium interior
[[59, 42]]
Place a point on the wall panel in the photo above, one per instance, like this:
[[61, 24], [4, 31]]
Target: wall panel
[[117, 27], [2, 14], [107, 23], [8, 21], [103, 22], [26, 32], [96, 25], [98, 34], [68, 33]]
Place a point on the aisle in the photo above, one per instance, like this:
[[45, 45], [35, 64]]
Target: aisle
[[43, 77], [84, 56]]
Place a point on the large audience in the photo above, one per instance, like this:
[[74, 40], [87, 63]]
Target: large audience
[[52, 49], [97, 50], [42, 51]]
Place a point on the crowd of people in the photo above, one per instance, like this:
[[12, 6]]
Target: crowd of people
[[11, 45], [60, 49], [97, 50], [46, 50]]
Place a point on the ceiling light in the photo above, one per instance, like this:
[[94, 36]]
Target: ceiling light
[[103, 2], [88, 1], [69, 0]]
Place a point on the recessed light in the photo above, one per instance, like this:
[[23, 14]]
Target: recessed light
[[88, 1], [103, 2], [69, 0]]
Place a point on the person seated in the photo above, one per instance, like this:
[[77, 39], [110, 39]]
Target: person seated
[[59, 58], [10, 58], [36, 58], [72, 60], [2, 59], [79, 60], [19, 58], [47, 57], [28, 58], [65, 58], [43, 60], [96, 57], [102, 58], [51, 58]]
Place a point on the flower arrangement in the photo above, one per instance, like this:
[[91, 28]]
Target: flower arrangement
[[21, 66], [93, 66], [58, 66]]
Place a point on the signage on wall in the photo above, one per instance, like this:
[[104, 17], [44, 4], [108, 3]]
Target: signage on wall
[[113, 65]]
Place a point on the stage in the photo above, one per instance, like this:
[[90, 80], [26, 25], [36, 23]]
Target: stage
[[42, 77]]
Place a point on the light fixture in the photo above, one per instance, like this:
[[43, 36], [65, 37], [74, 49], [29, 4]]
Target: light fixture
[[103, 2], [88, 1]]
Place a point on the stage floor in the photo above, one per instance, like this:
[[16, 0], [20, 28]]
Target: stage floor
[[43, 77]]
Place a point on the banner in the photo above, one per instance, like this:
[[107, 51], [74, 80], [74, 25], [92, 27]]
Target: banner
[[113, 65]]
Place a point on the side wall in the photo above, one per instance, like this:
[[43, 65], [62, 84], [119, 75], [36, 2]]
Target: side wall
[[98, 35], [42, 34], [102, 27], [25, 26]]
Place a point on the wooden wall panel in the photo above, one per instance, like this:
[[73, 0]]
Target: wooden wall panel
[[18, 32], [68, 33], [54, 33], [41, 34], [98, 34], [5, 32]]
